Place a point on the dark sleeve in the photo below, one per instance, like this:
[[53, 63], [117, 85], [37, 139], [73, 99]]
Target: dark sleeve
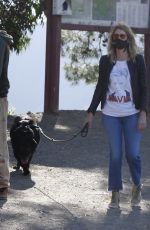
[[6, 61], [143, 82], [4, 82], [2, 53], [98, 90]]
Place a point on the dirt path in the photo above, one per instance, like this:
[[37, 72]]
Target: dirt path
[[67, 189]]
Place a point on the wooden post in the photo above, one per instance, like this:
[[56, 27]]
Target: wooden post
[[52, 65]]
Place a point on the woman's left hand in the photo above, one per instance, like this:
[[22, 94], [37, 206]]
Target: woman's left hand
[[142, 122]]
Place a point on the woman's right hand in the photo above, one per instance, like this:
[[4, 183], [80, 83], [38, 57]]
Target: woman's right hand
[[90, 119]]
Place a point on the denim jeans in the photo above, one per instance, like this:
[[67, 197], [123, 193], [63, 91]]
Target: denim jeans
[[123, 132], [4, 154]]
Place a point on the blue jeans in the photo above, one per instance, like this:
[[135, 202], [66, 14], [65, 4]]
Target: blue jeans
[[117, 130]]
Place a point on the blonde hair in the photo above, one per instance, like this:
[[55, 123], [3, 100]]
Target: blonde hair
[[132, 50]]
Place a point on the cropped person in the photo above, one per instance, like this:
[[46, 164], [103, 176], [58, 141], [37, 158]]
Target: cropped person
[[5, 42], [122, 91]]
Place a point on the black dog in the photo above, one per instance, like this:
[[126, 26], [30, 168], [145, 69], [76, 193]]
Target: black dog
[[25, 136]]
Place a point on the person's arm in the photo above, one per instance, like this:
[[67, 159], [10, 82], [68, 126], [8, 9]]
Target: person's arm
[[142, 122], [96, 96], [6, 61], [2, 53], [4, 82], [143, 83], [98, 90]]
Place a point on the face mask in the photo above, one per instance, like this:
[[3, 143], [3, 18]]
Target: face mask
[[120, 44]]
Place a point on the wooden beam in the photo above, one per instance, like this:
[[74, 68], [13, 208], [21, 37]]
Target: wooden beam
[[52, 63], [98, 28]]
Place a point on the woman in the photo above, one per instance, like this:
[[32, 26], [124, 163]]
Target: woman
[[122, 91]]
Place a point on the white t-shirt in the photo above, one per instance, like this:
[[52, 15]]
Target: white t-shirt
[[119, 101]]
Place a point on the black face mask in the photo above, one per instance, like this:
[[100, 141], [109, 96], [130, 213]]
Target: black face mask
[[120, 44]]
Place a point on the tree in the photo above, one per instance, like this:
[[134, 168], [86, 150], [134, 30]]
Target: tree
[[82, 51], [19, 18]]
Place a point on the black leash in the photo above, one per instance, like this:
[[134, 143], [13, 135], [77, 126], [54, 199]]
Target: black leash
[[83, 132]]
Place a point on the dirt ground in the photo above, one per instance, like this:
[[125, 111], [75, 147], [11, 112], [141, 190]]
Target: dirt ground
[[67, 189]]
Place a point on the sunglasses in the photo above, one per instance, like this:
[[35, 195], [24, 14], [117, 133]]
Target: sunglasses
[[117, 36]]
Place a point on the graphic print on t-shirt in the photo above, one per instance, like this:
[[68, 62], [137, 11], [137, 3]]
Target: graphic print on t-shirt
[[119, 87], [119, 100]]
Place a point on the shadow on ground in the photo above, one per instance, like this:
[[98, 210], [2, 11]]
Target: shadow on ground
[[67, 189]]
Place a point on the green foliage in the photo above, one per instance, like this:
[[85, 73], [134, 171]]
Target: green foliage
[[11, 110], [19, 18], [82, 51]]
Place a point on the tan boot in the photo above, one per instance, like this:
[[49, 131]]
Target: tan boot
[[136, 195], [115, 199]]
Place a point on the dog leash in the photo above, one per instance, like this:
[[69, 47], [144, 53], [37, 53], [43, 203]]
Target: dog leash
[[83, 132]]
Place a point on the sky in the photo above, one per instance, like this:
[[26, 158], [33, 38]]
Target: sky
[[27, 78]]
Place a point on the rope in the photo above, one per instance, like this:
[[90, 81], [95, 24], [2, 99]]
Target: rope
[[45, 194], [83, 132]]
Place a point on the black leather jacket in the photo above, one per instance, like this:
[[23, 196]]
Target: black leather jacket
[[5, 41], [139, 83]]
